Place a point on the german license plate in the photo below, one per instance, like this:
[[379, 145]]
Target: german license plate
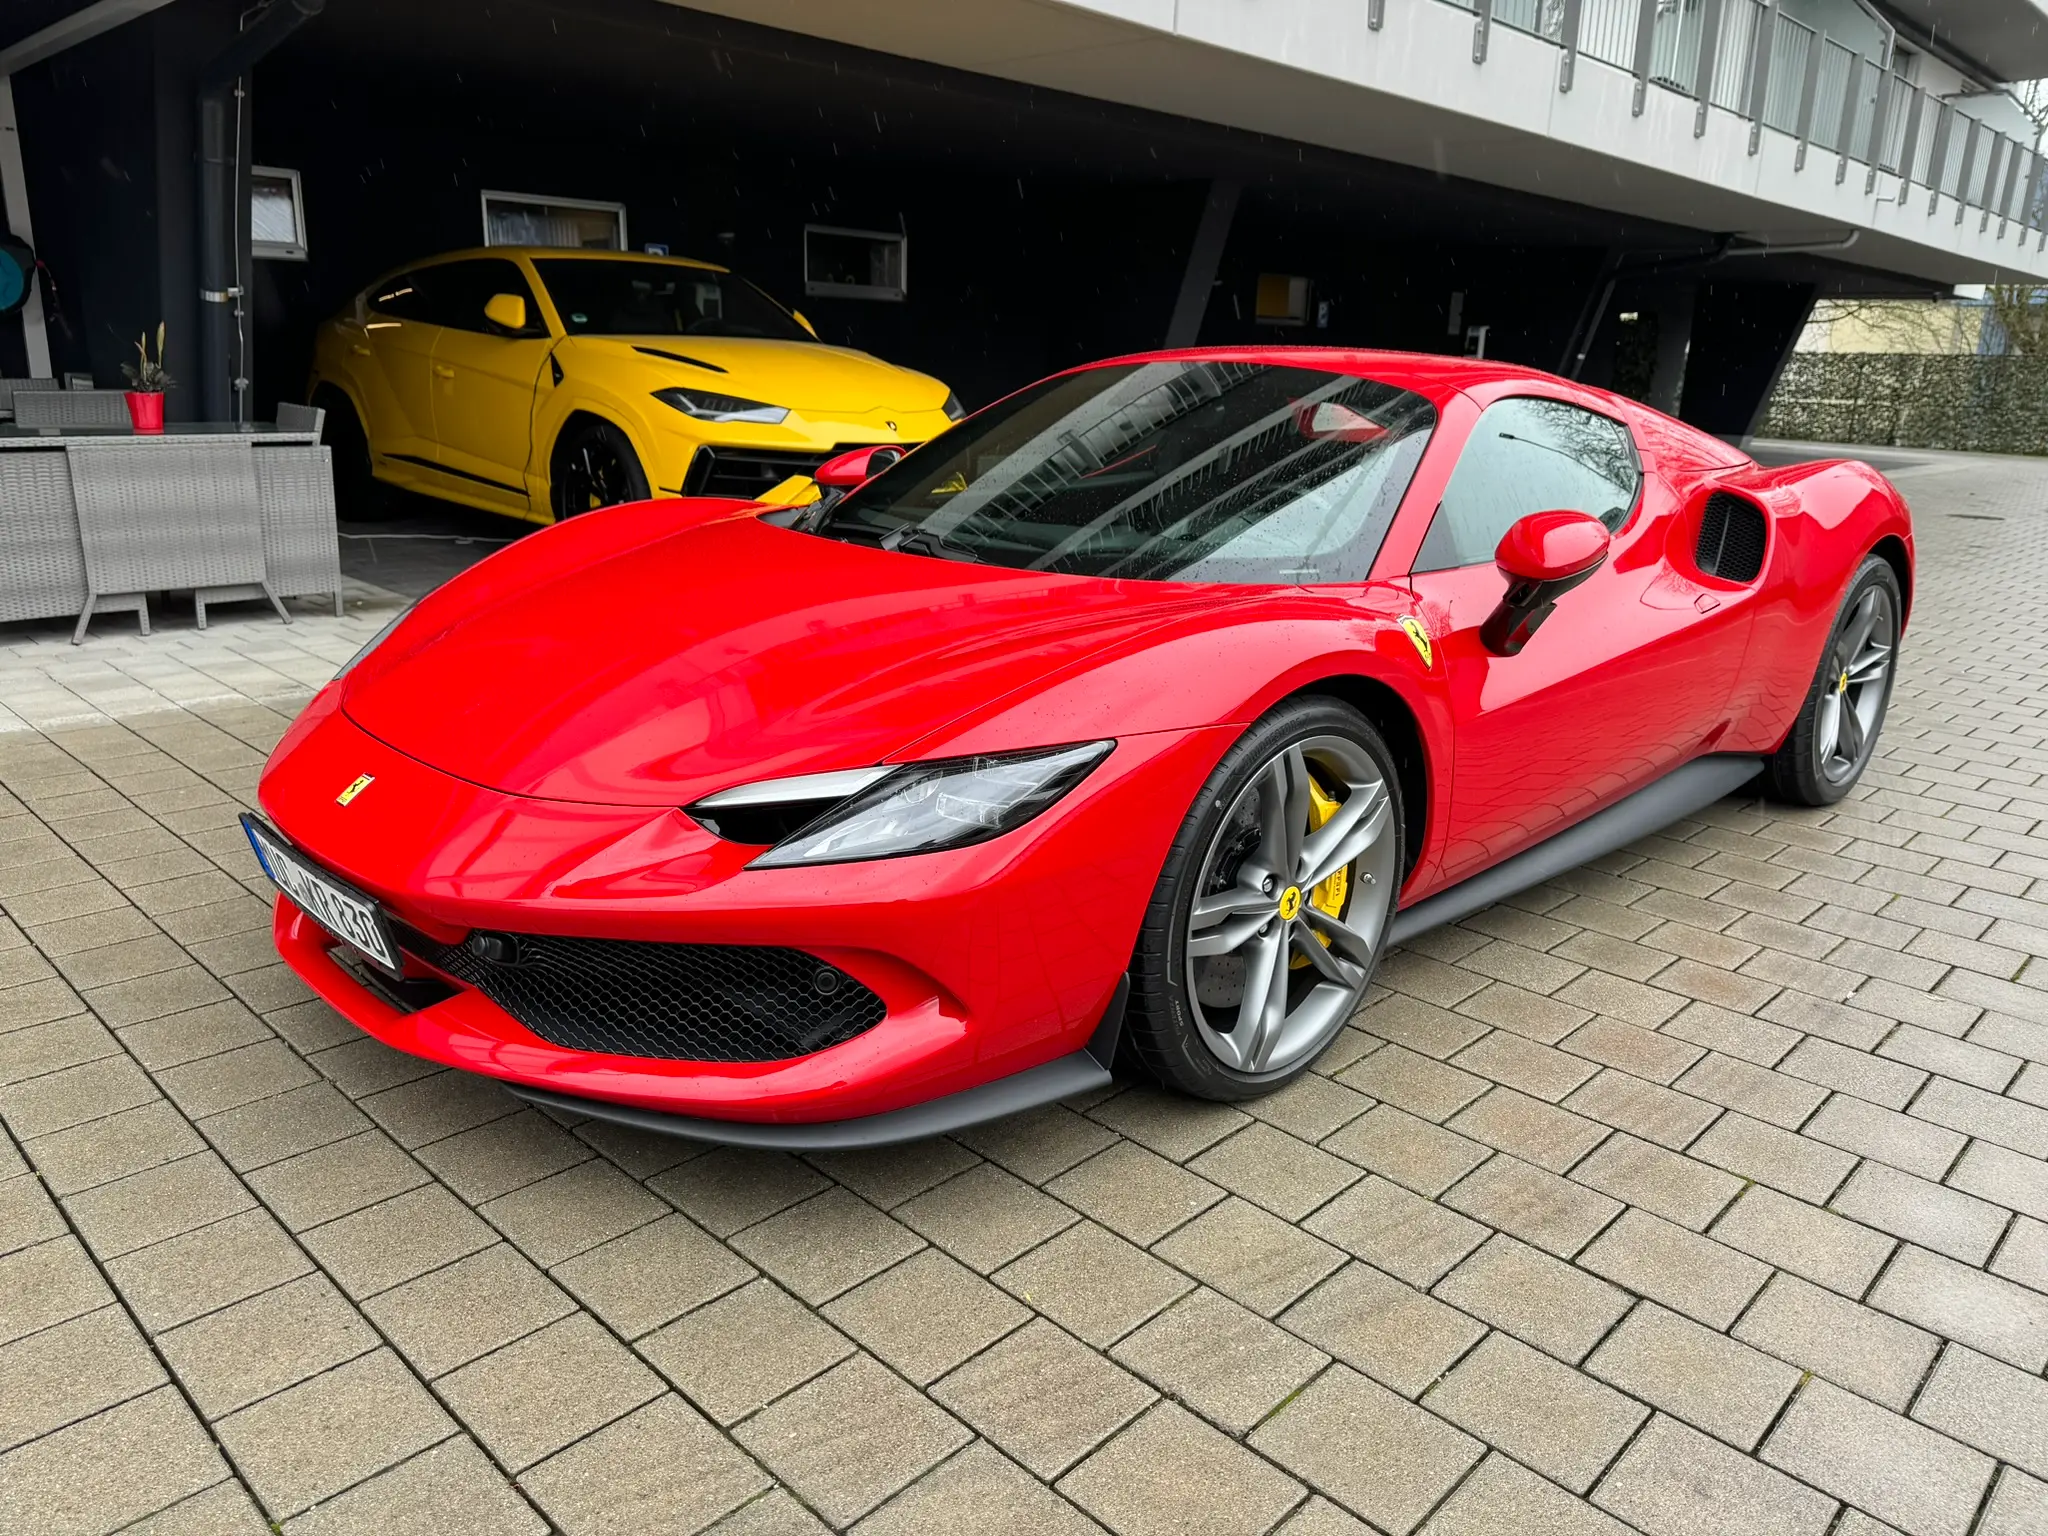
[[336, 906]]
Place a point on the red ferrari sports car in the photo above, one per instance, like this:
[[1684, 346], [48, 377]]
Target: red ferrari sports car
[[1124, 725]]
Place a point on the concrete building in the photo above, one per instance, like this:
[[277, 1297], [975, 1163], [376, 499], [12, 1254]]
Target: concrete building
[[1644, 193]]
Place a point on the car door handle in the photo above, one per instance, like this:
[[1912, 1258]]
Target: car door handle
[[443, 371]]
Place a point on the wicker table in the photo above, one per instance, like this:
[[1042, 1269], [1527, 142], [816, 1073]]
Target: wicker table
[[93, 518]]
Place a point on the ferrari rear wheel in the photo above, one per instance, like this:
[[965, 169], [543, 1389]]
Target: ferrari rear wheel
[[1836, 733], [594, 466], [1270, 916]]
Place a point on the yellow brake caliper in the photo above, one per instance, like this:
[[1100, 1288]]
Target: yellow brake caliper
[[1329, 896]]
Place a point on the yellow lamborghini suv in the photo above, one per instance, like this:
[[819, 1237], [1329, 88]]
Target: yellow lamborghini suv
[[541, 383]]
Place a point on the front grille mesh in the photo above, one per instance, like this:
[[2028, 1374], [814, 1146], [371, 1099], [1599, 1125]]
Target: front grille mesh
[[672, 1002], [746, 472]]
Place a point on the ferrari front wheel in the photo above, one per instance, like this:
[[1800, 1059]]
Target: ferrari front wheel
[[1832, 740], [1271, 913]]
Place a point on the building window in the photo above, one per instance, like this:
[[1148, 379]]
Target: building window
[[277, 214], [571, 223], [1281, 299], [855, 263]]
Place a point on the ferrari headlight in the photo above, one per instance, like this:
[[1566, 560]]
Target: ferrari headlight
[[710, 407], [924, 807], [953, 408]]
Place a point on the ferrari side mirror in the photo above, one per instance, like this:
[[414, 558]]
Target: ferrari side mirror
[[1543, 556], [844, 471]]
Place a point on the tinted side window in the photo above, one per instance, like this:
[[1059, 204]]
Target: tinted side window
[[1528, 455], [456, 291], [404, 296]]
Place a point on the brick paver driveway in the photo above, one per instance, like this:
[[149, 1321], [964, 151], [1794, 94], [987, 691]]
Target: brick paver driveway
[[1702, 1191]]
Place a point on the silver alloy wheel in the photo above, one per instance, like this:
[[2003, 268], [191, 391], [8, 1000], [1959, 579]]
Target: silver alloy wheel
[[1253, 916], [1860, 665]]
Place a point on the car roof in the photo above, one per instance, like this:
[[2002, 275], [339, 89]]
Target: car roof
[[1432, 370], [558, 252]]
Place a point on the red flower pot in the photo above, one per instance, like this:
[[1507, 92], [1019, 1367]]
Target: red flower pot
[[146, 410]]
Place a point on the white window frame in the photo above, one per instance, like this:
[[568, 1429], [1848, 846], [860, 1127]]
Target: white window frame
[[277, 250], [896, 295], [589, 205]]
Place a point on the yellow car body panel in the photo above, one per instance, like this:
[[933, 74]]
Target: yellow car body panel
[[473, 415]]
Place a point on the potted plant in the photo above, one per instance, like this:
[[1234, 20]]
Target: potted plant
[[147, 382]]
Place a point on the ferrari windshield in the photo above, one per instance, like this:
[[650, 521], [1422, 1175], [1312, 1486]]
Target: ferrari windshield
[[605, 296], [1218, 471]]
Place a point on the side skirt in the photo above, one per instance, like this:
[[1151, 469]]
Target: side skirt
[[1691, 787], [1085, 1070]]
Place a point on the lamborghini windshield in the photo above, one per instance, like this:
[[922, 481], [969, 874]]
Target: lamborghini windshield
[[1220, 471], [619, 296]]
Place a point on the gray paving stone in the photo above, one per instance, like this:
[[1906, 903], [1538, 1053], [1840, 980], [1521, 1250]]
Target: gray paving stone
[[925, 1315], [210, 1267], [328, 1433], [391, 1242], [1135, 1193], [652, 1274], [1675, 1481], [71, 1371], [1374, 1452], [1250, 1255], [2018, 1506], [1663, 1182], [1987, 1313], [102, 1472], [1695, 1275], [547, 1390], [2003, 1176], [1532, 1203], [1565, 1425], [451, 1489], [1401, 1233], [1562, 1310], [1390, 1331], [979, 1489], [1043, 1397], [850, 1438], [744, 1349], [984, 1217], [1695, 1374], [1989, 1405], [661, 1467], [1501, 1496], [1804, 1239], [1929, 1214], [1229, 1365], [458, 1313], [230, 1358], [827, 1244], [1922, 1482]]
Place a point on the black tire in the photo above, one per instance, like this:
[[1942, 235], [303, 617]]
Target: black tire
[[359, 496], [1815, 766], [1161, 1032], [593, 466]]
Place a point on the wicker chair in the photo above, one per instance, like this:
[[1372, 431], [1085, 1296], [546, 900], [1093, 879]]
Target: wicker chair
[[302, 418], [9, 387], [71, 408]]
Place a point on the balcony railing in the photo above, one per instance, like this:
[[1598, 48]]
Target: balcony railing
[[1744, 58]]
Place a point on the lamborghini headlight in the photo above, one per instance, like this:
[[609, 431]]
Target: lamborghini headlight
[[925, 807], [953, 408], [709, 407]]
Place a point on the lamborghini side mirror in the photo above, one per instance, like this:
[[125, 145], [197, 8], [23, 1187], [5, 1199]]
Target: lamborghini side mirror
[[507, 311], [1543, 556]]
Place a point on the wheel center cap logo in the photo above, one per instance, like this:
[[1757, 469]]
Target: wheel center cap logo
[[1290, 903]]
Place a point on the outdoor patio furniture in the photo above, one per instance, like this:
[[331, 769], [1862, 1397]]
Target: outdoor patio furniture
[[94, 518], [71, 408], [302, 418], [183, 515], [9, 388]]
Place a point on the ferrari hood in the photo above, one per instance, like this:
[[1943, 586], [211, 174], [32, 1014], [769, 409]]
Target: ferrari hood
[[639, 657], [803, 375]]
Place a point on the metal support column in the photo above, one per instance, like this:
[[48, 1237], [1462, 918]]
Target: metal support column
[[1646, 38], [1937, 155], [1568, 41], [1760, 72], [1808, 89], [1482, 28], [1969, 164], [1851, 84], [1703, 70], [1204, 256], [1879, 120], [1912, 143], [14, 200]]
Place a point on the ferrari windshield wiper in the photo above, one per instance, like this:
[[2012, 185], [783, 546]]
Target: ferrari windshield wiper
[[922, 541]]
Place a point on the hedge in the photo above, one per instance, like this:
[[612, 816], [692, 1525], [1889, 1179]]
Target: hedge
[[1980, 404]]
